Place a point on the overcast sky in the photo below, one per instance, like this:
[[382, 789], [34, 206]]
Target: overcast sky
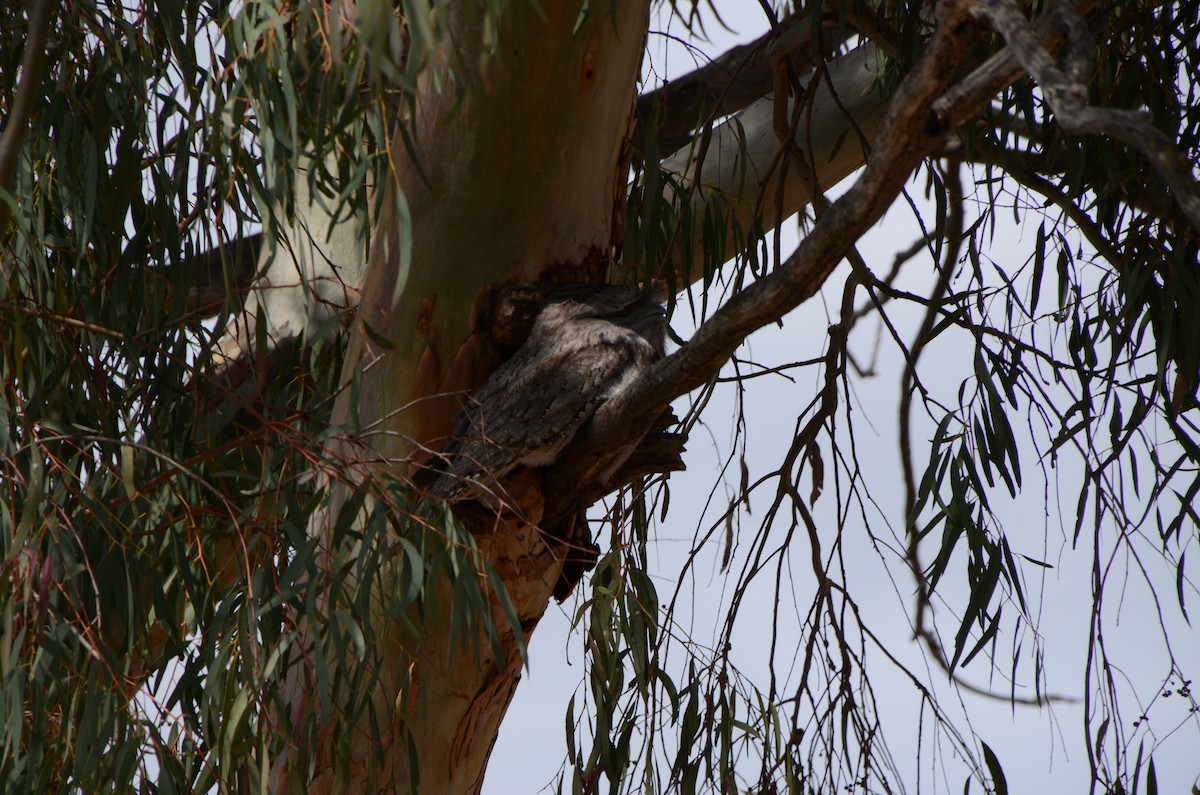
[[1042, 750]]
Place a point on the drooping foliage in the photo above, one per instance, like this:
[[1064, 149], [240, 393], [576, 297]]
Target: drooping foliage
[[155, 503], [1072, 376], [155, 552]]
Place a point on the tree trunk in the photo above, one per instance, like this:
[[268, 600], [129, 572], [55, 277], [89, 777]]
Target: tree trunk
[[516, 175]]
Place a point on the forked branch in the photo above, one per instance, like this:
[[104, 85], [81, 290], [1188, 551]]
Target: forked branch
[[912, 130], [1065, 90]]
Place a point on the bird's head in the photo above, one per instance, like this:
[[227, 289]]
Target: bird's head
[[637, 309]]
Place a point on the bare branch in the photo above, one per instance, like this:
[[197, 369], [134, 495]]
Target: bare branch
[[911, 130], [668, 117], [1066, 93], [736, 174]]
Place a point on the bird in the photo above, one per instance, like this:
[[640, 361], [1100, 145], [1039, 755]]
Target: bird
[[587, 344]]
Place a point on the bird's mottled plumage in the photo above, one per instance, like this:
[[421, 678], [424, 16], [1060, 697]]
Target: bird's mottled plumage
[[588, 343]]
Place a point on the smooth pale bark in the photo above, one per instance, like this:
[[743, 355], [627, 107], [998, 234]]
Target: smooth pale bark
[[520, 169], [741, 166], [517, 174], [320, 269], [309, 277]]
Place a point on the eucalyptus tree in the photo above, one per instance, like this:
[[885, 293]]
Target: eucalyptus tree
[[256, 255]]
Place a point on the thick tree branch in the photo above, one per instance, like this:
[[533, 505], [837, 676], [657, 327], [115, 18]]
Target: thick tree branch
[[1065, 90], [33, 63], [911, 130], [922, 113], [210, 288], [667, 118], [738, 175]]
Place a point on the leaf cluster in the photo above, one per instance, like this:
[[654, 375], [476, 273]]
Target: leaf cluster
[[158, 582]]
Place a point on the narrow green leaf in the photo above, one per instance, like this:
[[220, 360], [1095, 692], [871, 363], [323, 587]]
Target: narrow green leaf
[[510, 612], [994, 770], [988, 634], [981, 596], [1039, 268]]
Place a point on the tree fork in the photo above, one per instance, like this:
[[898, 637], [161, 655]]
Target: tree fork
[[492, 200]]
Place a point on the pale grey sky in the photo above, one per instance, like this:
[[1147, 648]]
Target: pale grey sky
[[1042, 750]]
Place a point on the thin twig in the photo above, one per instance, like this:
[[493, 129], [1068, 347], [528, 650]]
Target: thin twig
[[911, 131], [1065, 91], [66, 320]]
